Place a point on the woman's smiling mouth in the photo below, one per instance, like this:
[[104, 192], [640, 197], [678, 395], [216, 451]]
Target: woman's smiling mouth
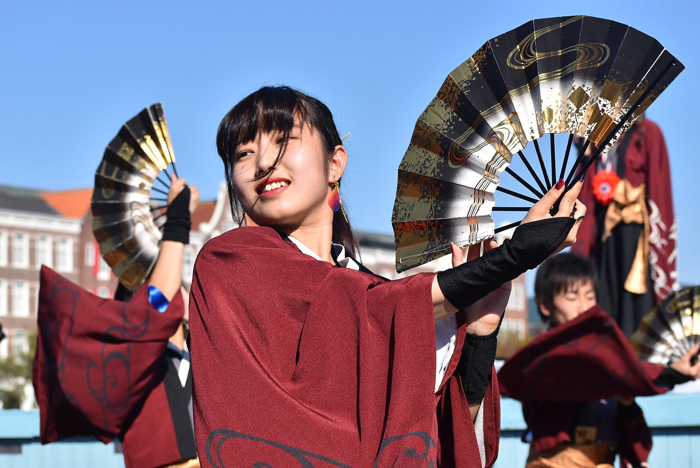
[[272, 186]]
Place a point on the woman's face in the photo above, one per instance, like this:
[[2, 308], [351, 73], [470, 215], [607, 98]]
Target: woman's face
[[295, 193]]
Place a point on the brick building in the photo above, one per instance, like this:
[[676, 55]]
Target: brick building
[[55, 229], [50, 228]]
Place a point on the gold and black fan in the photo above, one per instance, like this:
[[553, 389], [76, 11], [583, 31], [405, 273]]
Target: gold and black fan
[[579, 75], [128, 211], [671, 330]]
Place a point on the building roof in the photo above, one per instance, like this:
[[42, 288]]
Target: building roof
[[22, 199], [374, 239], [203, 213], [73, 204]]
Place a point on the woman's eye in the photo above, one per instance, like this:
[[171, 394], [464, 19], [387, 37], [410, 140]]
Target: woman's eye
[[284, 139], [242, 154]]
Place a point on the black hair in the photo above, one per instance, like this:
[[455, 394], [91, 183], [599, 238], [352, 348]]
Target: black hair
[[276, 108], [559, 273]]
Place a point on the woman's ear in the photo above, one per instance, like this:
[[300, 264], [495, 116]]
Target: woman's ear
[[338, 160]]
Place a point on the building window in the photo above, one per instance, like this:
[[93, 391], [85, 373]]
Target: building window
[[44, 251], [20, 298], [20, 250], [64, 254], [20, 343], [516, 301], [3, 248], [104, 272], [3, 297], [90, 254], [188, 258]]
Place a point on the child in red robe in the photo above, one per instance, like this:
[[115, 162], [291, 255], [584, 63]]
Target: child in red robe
[[565, 433]]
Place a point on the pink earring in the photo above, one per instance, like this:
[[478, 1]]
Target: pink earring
[[334, 200]]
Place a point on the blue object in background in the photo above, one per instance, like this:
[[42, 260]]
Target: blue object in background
[[674, 420]]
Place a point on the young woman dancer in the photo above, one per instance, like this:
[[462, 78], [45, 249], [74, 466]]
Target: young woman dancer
[[301, 356]]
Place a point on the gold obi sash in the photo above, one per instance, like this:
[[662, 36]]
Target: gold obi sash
[[572, 456], [192, 463], [629, 206]]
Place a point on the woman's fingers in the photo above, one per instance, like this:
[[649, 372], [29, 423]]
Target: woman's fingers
[[176, 186], [471, 252], [542, 209], [568, 202], [458, 255], [194, 198]]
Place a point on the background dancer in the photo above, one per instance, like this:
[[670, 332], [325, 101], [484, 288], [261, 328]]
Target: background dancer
[[119, 368], [632, 233], [565, 433]]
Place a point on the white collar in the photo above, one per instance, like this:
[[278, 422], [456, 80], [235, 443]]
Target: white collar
[[337, 251]]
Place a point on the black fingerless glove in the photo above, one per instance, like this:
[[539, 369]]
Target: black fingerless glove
[[475, 364], [532, 243], [178, 224], [670, 377]]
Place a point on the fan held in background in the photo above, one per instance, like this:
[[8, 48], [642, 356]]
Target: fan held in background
[[579, 75], [669, 331], [126, 219]]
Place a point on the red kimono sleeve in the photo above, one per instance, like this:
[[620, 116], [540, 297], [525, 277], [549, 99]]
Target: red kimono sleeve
[[634, 437], [300, 363], [96, 358], [585, 359], [458, 440], [662, 238]]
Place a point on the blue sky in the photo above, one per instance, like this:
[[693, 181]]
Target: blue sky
[[74, 72]]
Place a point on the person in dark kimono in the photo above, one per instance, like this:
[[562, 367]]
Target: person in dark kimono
[[300, 355], [591, 415], [119, 368], [632, 235]]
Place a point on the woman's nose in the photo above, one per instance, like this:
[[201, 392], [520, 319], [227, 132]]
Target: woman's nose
[[266, 157]]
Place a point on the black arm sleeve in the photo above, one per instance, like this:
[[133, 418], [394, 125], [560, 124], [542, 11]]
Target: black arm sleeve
[[670, 377], [475, 364], [531, 244], [178, 224]]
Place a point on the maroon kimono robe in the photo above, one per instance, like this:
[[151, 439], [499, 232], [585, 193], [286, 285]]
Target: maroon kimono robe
[[587, 359], [99, 370], [297, 362]]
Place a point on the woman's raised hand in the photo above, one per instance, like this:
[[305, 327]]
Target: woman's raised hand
[[569, 206], [689, 364], [176, 186]]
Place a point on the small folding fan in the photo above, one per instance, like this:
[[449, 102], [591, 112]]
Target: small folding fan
[[670, 330], [579, 75], [127, 218]]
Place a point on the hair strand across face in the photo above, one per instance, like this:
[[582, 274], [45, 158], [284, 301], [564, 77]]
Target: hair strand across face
[[278, 109]]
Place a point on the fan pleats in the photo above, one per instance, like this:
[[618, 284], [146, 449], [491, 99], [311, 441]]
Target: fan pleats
[[123, 211], [578, 75], [669, 331]]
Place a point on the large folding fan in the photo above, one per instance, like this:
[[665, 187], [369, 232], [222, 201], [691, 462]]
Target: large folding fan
[[579, 75], [669, 331], [127, 218]]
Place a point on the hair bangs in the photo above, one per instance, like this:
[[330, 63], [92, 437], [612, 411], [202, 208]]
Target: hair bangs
[[278, 109], [270, 109]]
